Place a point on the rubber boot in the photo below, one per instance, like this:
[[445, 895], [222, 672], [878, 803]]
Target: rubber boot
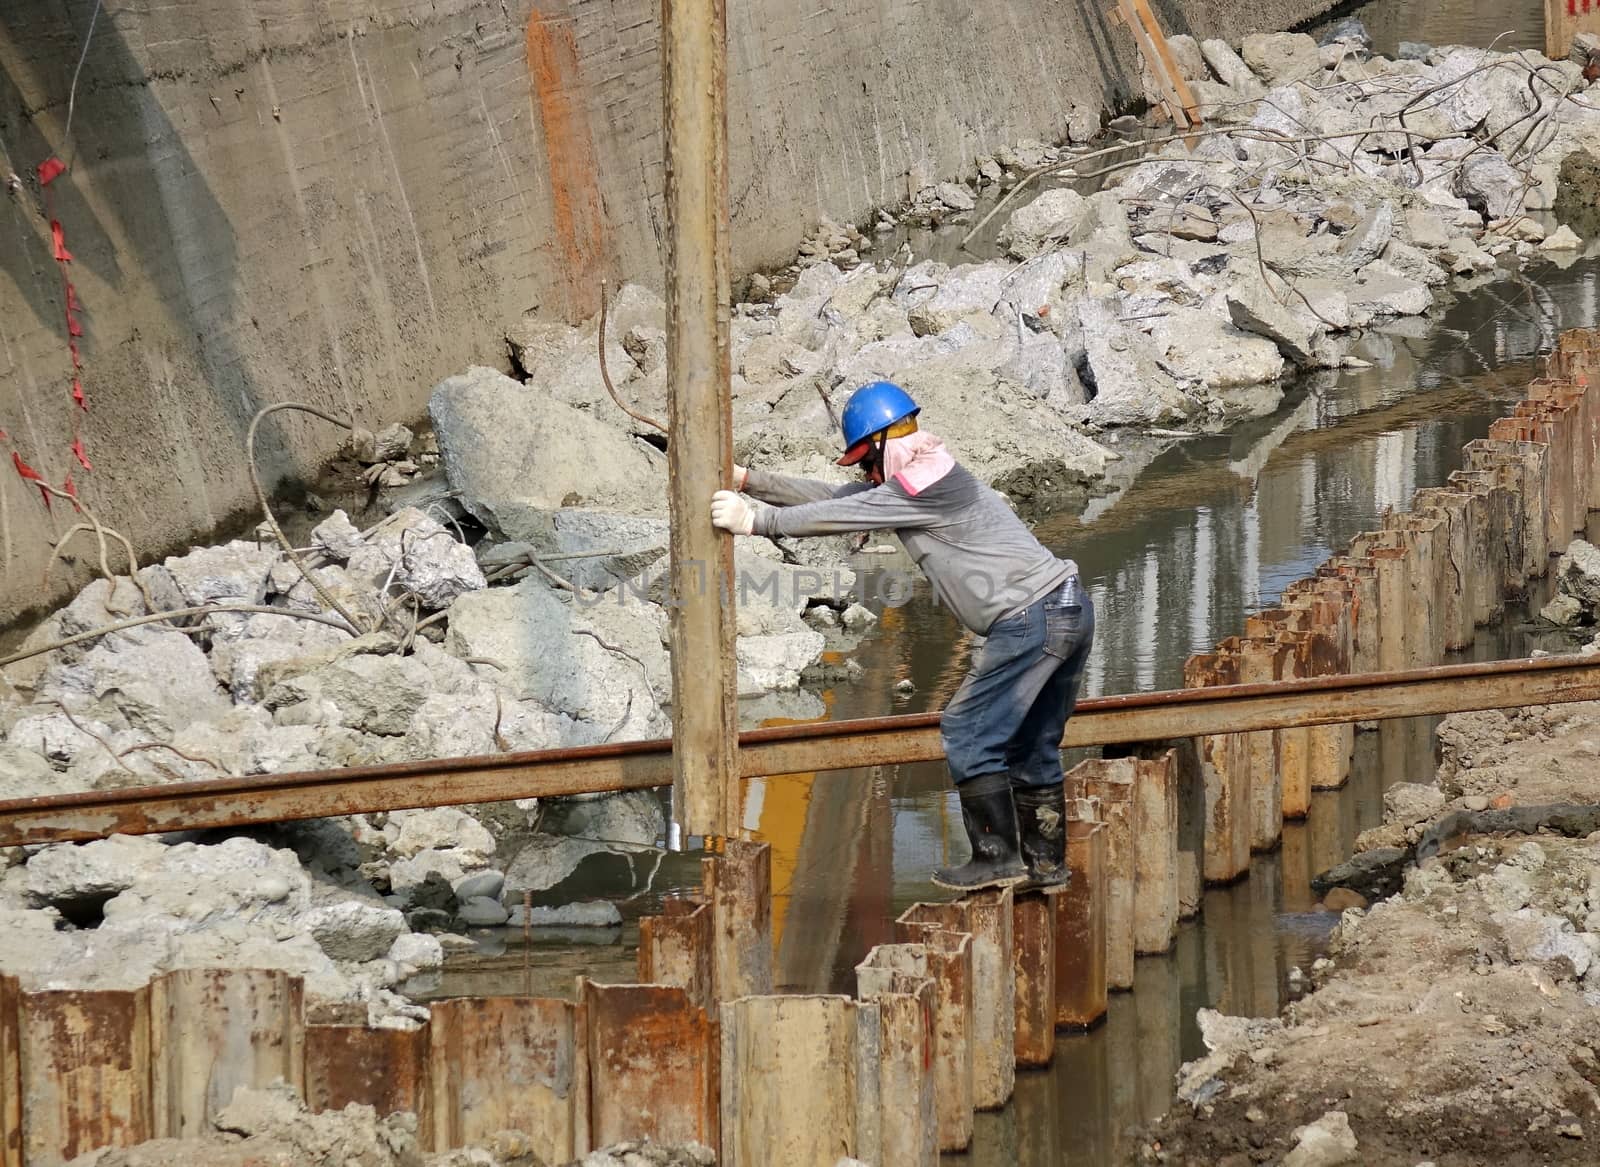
[[991, 821], [1042, 824]]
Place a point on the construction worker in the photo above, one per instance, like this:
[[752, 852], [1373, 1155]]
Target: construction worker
[[1002, 730]]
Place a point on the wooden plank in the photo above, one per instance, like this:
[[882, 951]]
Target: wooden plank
[[694, 58], [1156, 39]]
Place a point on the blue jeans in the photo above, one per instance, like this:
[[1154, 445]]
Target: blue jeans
[[1009, 714]]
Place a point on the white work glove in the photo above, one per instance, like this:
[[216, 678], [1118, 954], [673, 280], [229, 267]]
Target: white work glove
[[732, 513], [741, 476]]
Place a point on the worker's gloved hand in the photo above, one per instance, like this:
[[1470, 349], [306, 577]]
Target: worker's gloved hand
[[732, 513], [741, 475]]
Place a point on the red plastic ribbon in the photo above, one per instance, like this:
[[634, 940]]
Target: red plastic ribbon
[[72, 299], [31, 475], [77, 395], [78, 453], [77, 361], [51, 169], [70, 489], [73, 327], [60, 238]]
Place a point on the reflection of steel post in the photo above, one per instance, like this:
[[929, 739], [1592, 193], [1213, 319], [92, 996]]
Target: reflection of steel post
[[705, 711]]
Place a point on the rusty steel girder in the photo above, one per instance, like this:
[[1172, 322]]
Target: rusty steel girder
[[798, 749]]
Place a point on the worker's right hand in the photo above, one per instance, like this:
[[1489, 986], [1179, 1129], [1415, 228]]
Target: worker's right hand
[[741, 475], [732, 513]]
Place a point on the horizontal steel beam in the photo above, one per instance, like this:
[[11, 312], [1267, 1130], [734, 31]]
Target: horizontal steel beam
[[835, 745]]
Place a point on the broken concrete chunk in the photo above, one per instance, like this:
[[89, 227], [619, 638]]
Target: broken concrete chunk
[[1328, 1142], [388, 444], [1491, 185], [1230, 68], [1129, 387], [604, 662], [232, 573], [1380, 290], [1564, 239], [72, 876], [631, 818], [238, 651], [336, 536], [414, 553], [955, 196], [156, 685], [25, 774], [501, 446], [482, 912], [1051, 217], [1426, 228], [1408, 803], [376, 694], [593, 914], [1279, 58], [1367, 239], [1201, 346], [355, 931], [1578, 576], [440, 828], [1253, 308], [966, 291]]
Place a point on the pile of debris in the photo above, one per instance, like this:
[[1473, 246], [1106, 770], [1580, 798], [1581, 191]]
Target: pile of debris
[[1330, 192], [1458, 1015]]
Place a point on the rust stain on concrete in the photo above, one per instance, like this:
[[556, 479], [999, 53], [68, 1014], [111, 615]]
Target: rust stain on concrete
[[576, 205]]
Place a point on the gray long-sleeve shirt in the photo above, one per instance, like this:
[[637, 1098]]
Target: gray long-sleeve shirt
[[983, 562]]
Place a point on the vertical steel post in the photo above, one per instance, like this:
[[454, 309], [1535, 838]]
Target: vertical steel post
[[700, 452]]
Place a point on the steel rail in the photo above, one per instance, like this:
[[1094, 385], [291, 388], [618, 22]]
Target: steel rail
[[798, 749]]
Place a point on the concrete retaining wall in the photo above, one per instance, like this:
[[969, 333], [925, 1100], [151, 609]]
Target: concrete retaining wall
[[343, 202]]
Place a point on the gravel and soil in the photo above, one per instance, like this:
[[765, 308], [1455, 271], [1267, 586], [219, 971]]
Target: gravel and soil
[[1456, 1021]]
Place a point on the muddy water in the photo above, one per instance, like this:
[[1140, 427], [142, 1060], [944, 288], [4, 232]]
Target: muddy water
[[1452, 22]]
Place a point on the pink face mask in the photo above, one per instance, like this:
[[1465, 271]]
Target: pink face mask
[[916, 461]]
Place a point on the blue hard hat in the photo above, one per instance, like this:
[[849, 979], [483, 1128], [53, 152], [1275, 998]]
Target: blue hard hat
[[873, 408]]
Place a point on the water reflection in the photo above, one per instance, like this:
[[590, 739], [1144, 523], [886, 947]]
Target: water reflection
[[1452, 22]]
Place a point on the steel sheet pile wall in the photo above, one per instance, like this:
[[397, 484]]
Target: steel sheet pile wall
[[1400, 598]]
